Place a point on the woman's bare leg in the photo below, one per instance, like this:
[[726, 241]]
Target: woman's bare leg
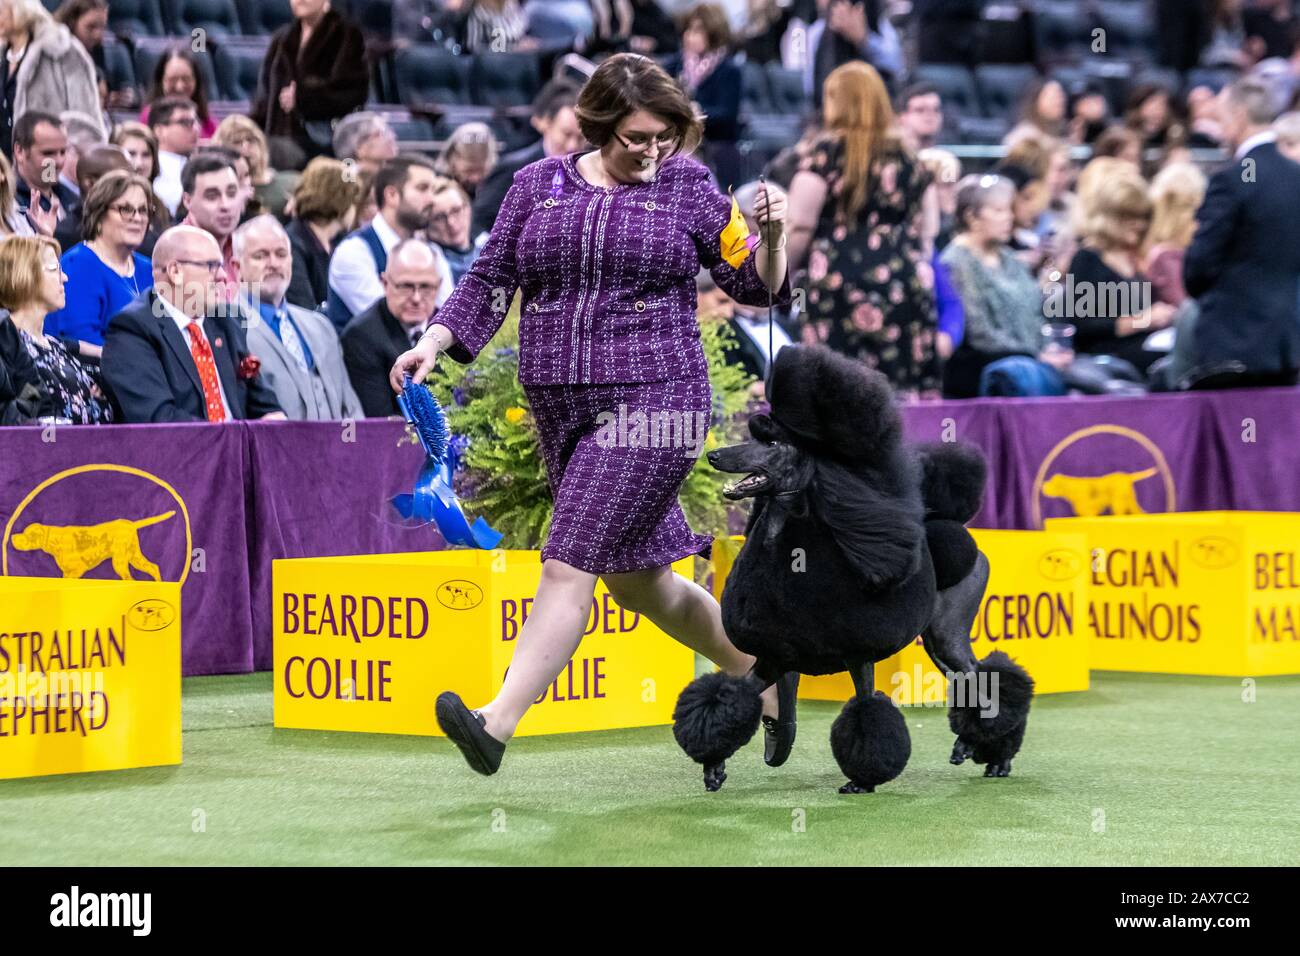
[[549, 637], [687, 613]]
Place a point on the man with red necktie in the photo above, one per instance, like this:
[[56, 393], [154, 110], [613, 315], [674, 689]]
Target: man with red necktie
[[177, 354]]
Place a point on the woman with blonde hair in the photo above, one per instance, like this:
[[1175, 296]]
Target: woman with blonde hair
[[1108, 294], [468, 156], [12, 222], [1176, 194], [856, 211], [31, 287], [271, 188]]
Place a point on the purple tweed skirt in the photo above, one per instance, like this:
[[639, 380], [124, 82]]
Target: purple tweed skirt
[[616, 456]]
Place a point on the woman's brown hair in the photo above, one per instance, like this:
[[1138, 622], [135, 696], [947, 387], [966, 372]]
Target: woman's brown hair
[[326, 191], [857, 109], [713, 21], [110, 188], [21, 269], [625, 83]]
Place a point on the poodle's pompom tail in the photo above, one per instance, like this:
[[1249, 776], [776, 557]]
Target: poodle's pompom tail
[[716, 715], [870, 740], [990, 713], [952, 480]]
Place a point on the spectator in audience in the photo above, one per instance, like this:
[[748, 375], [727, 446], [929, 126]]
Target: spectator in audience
[[177, 74], [302, 361], [1227, 40], [1149, 116], [324, 207], [215, 201], [1120, 142], [82, 134], [1287, 129], [1269, 25], [48, 70], [105, 272], [376, 337], [1044, 107], [31, 287], [1176, 194], [39, 147], [1001, 302], [140, 145], [316, 71], [707, 70], [468, 156], [404, 196], [174, 121], [99, 160], [1089, 114], [1027, 207], [1244, 260], [491, 26], [850, 30], [856, 213], [920, 116], [554, 118], [87, 20], [13, 222], [178, 354], [1204, 129], [366, 139], [271, 188], [449, 228], [1111, 307]]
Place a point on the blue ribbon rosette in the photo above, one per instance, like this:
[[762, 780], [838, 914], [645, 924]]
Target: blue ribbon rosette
[[433, 498]]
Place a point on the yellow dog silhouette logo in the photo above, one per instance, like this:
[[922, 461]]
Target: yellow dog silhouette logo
[[1116, 492], [1090, 497], [77, 549]]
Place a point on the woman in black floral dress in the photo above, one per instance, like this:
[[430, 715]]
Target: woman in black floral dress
[[856, 213], [31, 287]]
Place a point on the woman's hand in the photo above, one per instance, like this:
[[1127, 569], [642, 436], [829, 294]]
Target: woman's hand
[[419, 361], [288, 96], [770, 207]]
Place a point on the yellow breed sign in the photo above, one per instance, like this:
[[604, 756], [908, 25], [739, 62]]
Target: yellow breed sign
[[367, 642], [90, 675], [1033, 609], [1212, 592]]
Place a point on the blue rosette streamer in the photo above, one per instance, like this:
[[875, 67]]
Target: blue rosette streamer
[[433, 498]]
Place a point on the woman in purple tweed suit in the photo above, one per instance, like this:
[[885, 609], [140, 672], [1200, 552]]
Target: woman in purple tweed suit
[[605, 246]]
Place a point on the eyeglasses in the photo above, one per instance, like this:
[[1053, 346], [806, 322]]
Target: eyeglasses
[[639, 144], [212, 265], [410, 288], [183, 121], [441, 217], [127, 211]]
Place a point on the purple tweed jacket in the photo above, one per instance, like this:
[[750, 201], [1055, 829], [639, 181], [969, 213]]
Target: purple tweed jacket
[[607, 273]]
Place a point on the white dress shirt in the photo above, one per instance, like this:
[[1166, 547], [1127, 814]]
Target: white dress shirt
[[353, 274], [1259, 139], [182, 322], [167, 186]]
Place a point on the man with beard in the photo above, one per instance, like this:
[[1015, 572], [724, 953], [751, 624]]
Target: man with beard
[[405, 200], [301, 359]]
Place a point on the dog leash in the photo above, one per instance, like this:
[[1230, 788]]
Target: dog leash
[[767, 245]]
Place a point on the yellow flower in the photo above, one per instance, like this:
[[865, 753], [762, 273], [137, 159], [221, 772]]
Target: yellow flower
[[515, 415]]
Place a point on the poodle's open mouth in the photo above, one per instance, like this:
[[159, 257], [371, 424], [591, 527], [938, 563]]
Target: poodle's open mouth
[[746, 487]]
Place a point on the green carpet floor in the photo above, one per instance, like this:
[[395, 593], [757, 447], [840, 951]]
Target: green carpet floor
[[1140, 770]]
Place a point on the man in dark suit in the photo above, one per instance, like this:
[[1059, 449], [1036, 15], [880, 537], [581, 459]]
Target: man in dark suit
[[178, 353], [554, 118], [1243, 265], [374, 339]]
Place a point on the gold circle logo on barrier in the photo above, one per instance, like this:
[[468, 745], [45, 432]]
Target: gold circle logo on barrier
[[1214, 552], [1115, 493], [458, 595], [79, 549], [1060, 564]]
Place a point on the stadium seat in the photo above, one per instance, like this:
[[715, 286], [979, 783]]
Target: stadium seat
[[135, 18], [426, 74], [1129, 31], [374, 17], [149, 50], [1002, 86], [956, 86], [218, 17], [1164, 77], [504, 79], [1062, 29], [238, 64], [755, 92], [263, 17], [787, 89], [118, 68]]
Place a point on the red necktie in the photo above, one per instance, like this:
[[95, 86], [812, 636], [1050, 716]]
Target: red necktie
[[203, 361]]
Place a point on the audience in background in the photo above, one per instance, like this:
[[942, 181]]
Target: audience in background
[[82, 133], [1150, 117], [468, 156], [315, 72], [177, 74], [215, 201], [13, 221], [324, 208], [366, 140], [31, 287], [174, 121], [1044, 107], [301, 360], [374, 339], [1176, 193], [39, 147], [449, 228], [271, 188], [87, 20], [707, 70], [106, 272], [99, 160], [177, 354], [920, 116]]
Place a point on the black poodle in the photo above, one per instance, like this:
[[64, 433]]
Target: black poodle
[[855, 545]]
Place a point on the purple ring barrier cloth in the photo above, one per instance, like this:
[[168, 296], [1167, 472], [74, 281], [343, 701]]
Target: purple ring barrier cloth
[[260, 491]]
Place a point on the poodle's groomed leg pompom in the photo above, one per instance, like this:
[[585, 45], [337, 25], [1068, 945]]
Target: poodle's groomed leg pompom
[[870, 742], [989, 713], [716, 715]]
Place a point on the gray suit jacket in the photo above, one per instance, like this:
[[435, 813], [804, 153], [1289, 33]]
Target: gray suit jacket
[[290, 382]]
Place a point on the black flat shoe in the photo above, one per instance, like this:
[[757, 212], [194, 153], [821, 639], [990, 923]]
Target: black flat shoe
[[465, 728], [778, 732]]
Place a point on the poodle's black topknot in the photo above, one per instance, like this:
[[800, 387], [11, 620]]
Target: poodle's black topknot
[[812, 387], [952, 480]]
